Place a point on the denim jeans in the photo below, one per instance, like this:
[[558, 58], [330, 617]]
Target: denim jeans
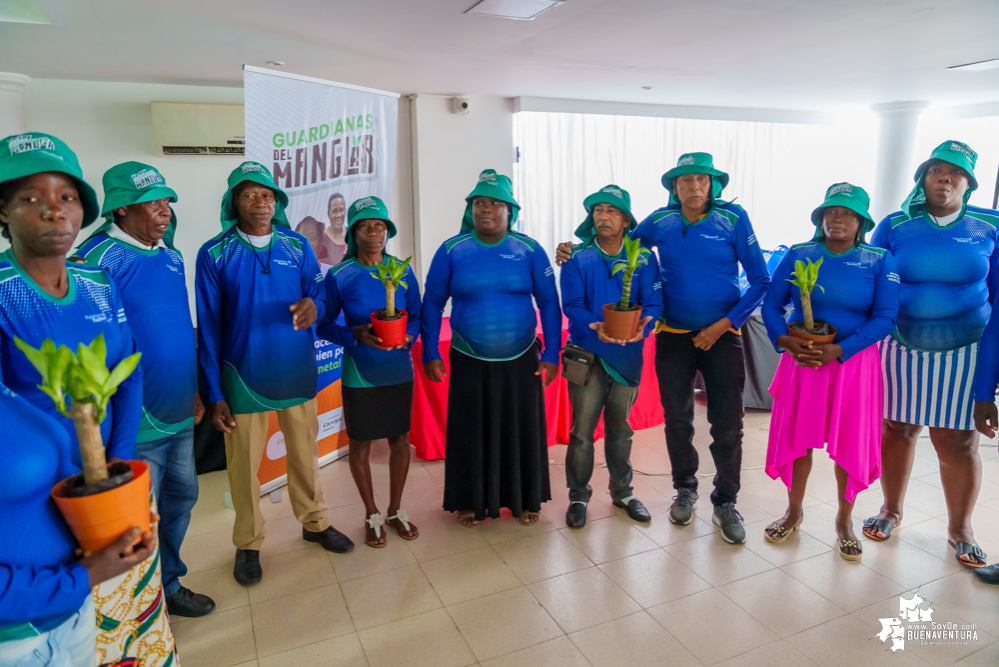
[[72, 644], [601, 393], [175, 485], [724, 372]]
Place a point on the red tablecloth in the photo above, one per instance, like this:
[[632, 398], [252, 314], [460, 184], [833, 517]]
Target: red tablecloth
[[430, 401]]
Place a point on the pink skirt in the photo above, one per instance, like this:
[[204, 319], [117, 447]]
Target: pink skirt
[[837, 406]]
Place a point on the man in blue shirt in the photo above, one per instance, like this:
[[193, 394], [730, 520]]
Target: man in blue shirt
[[258, 294], [590, 280], [135, 247], [700, 241]]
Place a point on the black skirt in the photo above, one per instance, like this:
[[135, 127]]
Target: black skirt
[[497, 447], [373, 413]]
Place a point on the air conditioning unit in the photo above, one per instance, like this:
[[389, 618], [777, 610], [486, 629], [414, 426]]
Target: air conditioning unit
[[187, 128]]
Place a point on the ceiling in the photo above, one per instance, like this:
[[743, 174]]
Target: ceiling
[[771, 54]]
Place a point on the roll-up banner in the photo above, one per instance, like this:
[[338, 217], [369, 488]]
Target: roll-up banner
[[327, 145]]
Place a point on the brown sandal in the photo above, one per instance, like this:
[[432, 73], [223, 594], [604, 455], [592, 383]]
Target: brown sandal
[[467, 519], [402, 517], [529, 518]]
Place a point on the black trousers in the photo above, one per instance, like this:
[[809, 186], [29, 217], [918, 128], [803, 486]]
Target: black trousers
[[724, 372]]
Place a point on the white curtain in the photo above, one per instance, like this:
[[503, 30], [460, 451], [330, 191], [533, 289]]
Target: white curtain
[[779, 171]]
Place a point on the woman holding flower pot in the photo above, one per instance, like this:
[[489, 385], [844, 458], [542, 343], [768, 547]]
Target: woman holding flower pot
[[44, 202], [496, 441], [827, 391], [377, 372]]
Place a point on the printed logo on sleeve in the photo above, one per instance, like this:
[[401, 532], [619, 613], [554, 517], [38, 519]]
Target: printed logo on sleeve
[[751, 240], [27, 142], [893, 277], [252, 166], [145, 178]]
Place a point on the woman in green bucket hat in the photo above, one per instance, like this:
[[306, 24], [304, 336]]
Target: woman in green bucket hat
[[829, 395], [947, 254], [377, 381], [496, 439], [44, 202]]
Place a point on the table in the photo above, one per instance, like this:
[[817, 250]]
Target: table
[[430, 401]]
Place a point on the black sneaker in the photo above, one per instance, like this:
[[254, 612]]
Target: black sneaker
[[189, 604], [729, 520], [681, 512], [247, 570], [330, 539]]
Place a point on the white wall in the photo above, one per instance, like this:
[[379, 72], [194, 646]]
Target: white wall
[[109, 123], [449, 151]]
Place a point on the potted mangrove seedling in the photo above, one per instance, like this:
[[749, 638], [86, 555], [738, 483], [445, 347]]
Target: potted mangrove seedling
[[389, 322], [104, 500], [621, 318], [806, 277]]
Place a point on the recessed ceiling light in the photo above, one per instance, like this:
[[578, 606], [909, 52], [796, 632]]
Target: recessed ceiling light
[[520, 10], [646, 87], [276, 63], [976, 67]]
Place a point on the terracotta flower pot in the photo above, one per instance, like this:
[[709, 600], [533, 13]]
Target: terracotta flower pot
[[392, 332], [814, 338], [621, 324], [97, 521]]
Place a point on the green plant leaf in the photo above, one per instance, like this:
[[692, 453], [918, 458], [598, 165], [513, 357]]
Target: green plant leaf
[[402, 283], [618, 267], [37, 358], [100, 349], [96, 370], [121, 372]]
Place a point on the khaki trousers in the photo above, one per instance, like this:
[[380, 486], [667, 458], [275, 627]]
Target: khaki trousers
[[244, 449]]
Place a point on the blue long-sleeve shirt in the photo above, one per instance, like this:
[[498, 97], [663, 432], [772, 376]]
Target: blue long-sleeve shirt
[[91, 307], [353, 287], [248, 351], [492, 286], [154, 292], [40, 580], [587, 284], [699, 265], [860, 296], [949, 276]]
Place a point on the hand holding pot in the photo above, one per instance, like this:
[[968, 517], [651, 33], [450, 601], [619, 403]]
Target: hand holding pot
[[435, 370], [798, 348], [222, 418], [305, 313], [639, 335], [121, 556], [821, 355]]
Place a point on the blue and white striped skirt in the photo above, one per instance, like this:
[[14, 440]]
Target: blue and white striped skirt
[[929, 388]]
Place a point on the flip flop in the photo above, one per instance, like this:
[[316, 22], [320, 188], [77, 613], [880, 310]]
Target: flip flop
[[961, 548], [376, 521], [402, 516], [844, 544], [883, 525], [529, 518], [782, 532]]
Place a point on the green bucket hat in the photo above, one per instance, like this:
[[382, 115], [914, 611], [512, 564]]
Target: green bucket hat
[[955, 152], [35, 153], [135, 183], [492, 185], [695, 163], [366, 208], [609, 194], [258, 173], [849, 196]]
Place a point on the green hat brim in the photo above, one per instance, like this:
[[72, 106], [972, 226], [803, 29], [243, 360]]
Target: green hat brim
[[586, 231], [366, 214], [88, 197], [121, 199], [667, 179], [846, 202], [963, 162]]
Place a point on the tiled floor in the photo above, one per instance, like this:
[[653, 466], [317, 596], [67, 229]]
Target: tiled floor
[[614, 593]]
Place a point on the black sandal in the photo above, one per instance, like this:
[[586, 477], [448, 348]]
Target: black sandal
[[882, 525], [961, 548]]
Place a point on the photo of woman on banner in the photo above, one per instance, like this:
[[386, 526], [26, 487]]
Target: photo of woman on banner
[[335, 242], [314, 231]]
